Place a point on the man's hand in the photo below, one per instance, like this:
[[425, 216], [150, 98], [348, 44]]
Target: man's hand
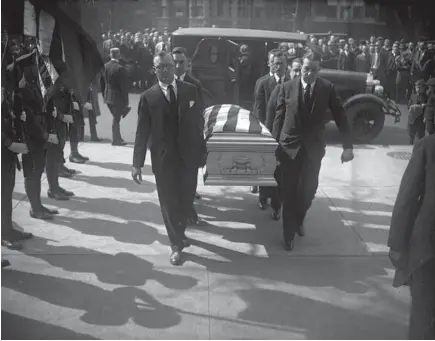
[[397, 259], [68, 119], [52, 138], [18, 148], [347, 155], [136, 174]]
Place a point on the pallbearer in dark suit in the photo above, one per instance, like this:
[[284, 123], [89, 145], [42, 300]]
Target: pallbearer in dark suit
[[412, 238], [181, 64], [299, 127], [169, 124], [263, 91], [114, 87]]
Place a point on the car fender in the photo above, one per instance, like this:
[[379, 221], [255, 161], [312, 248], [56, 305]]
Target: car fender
[[368, 98]]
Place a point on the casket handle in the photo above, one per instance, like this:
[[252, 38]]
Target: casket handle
[[241, 164]]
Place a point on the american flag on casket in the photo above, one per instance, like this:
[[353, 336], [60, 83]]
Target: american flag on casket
[[230, 118]]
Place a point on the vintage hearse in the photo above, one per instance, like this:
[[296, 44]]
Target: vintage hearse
[[216, 63]]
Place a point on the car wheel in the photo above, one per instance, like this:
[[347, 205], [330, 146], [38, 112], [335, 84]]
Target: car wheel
[[366, 121]]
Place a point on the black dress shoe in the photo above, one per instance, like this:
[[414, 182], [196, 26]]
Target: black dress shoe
[[119, 143], [197, 196], [68, 170], [41, 215], [76, 159], [66, 192], [57, 195], [96, 139], [176, 258], [276, 215], [301, 231], [254, 189], [289, 244], [11, 244], [65, 174], [50, 210], [21, 235], [82, 157], [262, 205], [5, 263]]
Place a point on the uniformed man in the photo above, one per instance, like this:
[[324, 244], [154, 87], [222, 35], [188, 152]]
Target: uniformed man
[[28, 105]]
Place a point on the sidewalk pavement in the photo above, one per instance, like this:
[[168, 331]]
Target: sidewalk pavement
[[101, 268]]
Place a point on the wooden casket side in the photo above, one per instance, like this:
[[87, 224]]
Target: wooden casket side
[[240, 160]]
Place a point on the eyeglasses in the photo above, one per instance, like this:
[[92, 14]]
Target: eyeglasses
[[163, 67]]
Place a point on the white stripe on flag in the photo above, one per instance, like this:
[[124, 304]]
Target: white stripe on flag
[[264, 130], [207, 113], [243, 121], [51, 70], [46, 29], [29, 27], [221, 118]]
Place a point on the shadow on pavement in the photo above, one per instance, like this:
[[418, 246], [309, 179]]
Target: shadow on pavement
[[389, 136], [116, 166], [101, 307], [111, 182], [15, 327], [318, 320], [120, 269]]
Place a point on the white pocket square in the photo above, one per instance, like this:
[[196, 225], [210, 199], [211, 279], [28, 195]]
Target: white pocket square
[[191, 104]]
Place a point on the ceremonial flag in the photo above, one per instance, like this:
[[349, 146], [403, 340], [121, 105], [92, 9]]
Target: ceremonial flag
[[229, 118]]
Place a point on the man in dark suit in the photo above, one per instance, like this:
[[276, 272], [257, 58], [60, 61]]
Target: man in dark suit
[[115, 91], [412, 238], [391, 71], [420, 63], [299, 126], [363, 60], [346, 59], [181, 63], [271, 72], [169, 124], [264, 89], [379, 63]]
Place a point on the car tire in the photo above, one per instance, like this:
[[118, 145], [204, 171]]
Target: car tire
[[366, 121]]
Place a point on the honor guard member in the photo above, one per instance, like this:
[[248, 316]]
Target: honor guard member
[[264, 89], [429, 113], [76, 129], [28, 104], [299, 127], [12, 145], [61, 106], [181, 64]]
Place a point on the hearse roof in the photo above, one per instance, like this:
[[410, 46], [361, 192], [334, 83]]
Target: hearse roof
[[241, 33]]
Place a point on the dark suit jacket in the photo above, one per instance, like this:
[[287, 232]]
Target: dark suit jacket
[[115, 85], [363, 63], [346, 62], [419, 69], [151, 130], [380, 73], [271, 107], [192, 80], [429, 114], [412, 231], [262, 94], [288, 128]]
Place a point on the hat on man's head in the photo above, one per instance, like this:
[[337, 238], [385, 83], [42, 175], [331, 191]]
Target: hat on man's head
[[380, 38], [431, 82]]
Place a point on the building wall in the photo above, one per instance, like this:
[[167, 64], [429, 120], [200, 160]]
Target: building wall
[[353, 17]]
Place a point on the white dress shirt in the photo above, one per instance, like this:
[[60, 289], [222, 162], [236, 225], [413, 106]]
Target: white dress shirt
[[304, 85], [165, 90], [277, 77], [181, 78]]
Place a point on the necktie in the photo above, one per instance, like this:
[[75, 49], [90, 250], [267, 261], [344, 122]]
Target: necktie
[[307, 94], [172, 100]]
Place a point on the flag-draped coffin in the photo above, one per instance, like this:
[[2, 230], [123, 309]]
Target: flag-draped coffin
[[241, 150]]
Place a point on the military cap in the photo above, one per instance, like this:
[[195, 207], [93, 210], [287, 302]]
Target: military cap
[[431, 82]]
